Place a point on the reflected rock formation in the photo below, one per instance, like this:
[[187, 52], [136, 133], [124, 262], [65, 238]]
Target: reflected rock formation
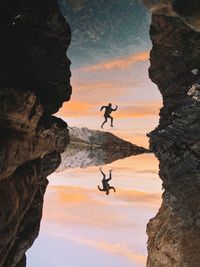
[[174, 234], [94, 148], [34, 82]]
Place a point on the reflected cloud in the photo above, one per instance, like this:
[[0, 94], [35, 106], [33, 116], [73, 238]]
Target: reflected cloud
[[139, 197], [84, 156], [114, 248]]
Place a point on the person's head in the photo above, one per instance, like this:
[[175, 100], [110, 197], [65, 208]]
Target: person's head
[[109, 104]]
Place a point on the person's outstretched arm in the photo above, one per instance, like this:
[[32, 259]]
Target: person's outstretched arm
[[100, 188], [102, 108], [114, 109]]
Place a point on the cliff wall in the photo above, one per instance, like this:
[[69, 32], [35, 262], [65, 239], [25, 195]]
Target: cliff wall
[[34, 82]]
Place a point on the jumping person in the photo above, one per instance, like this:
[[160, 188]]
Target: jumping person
[[108, 110], [106, 187]]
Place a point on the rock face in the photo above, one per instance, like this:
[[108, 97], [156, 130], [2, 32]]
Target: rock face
[[94, 148], [85, 136], [34, 82], [174, 234], [188, 11]]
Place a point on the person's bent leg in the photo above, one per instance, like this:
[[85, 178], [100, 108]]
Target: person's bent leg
[[111, 118], [110, 176], [104, 122], [112, 187]]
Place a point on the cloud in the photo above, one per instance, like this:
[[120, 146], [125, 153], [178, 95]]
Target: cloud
[[141, 110], [113, 248], [119, 63], [139, 197], [78, 109]]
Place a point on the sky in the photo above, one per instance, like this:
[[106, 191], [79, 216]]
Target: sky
[[110, 59]]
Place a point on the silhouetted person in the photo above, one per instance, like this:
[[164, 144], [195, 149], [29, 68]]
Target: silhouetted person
[[108, 110], [106, 187]]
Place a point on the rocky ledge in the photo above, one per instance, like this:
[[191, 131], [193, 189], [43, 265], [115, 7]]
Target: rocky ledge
[[34, 82], [173, 235], [94, 148]]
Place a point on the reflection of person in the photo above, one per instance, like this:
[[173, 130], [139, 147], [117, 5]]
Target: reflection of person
[[108, 110], [106, 187]]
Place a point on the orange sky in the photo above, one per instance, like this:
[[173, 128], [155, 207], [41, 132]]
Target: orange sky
[[119, 63], [122, 81]]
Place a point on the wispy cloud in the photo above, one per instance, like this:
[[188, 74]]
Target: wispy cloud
[[82, 109], [141, 110], [113, 248], [119, 63]]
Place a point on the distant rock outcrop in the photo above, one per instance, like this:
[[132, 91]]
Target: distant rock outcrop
[[94, 148], [174, 238], [34, 82], [101, 139]]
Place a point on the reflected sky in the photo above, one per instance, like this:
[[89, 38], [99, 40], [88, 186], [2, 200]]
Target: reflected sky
[[82, 226]]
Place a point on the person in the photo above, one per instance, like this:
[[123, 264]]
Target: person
[[106, 187], [108, 110]]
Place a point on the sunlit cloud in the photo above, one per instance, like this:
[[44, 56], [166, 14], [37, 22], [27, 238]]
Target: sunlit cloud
[[77, 109], [141, 110], [119, 63], [113, 248], [82, 109], [89, 208], [139, 197]]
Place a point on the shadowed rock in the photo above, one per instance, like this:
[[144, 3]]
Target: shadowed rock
[[188, 11], [34, 82], [174, 238]]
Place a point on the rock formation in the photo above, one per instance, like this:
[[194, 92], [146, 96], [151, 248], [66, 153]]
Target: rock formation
[[188, 11], [174, 234], [34, 82], [94, 148]]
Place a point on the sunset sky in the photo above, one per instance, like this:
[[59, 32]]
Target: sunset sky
[[116, 71]]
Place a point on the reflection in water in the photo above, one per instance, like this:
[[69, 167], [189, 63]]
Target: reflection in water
[[106, 187], [102, 231], [85, 156]]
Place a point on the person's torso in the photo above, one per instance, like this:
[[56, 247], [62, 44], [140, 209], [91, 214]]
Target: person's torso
[[108, 110]]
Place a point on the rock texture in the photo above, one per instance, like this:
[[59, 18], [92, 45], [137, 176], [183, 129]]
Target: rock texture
[[34, 82], [85, 136], [188, 11], [174, 234], [94, 148]]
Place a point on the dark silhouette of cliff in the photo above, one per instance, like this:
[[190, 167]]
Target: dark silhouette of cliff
[[34, 82], [173, 235]]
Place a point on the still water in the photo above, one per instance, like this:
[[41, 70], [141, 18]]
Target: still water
[[83, 227]]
